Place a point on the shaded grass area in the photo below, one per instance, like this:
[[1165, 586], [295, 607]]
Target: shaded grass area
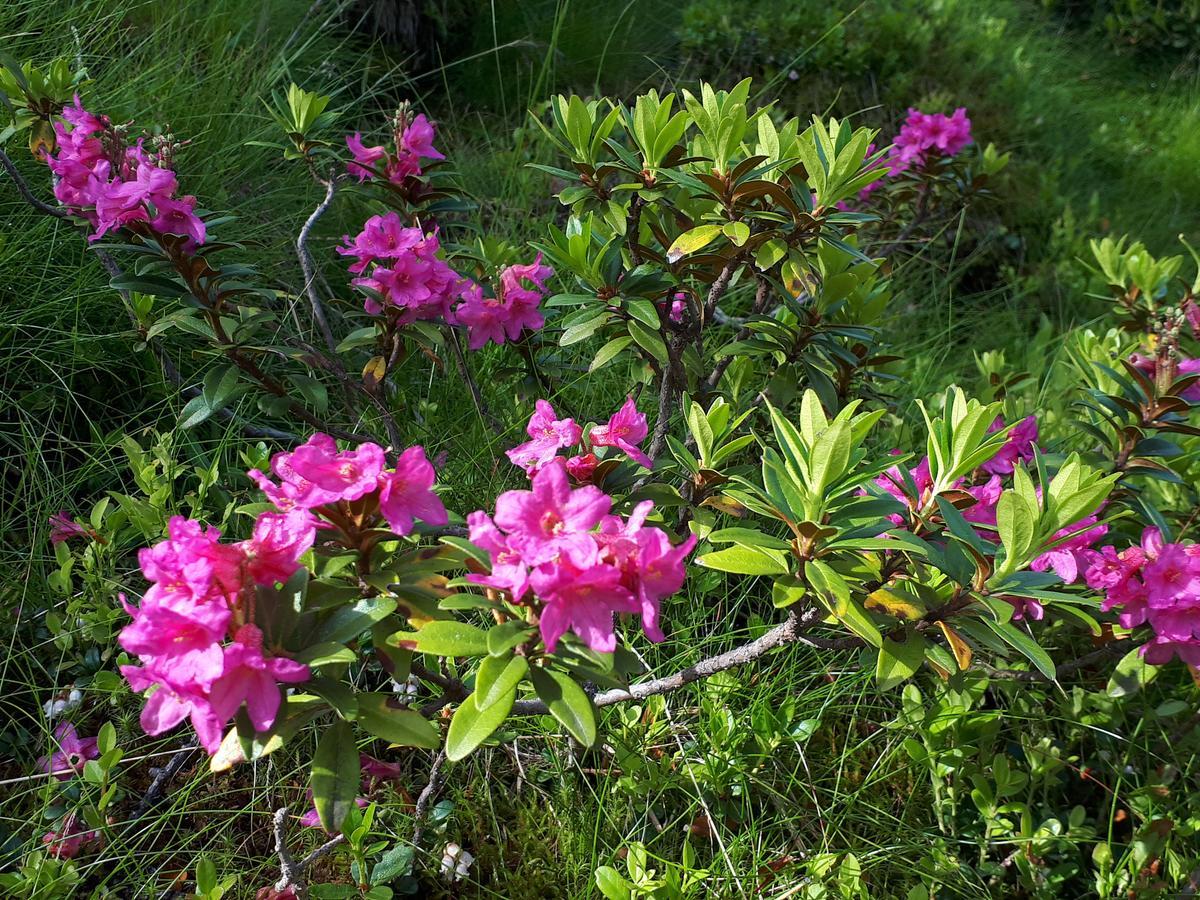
[[759, 772]]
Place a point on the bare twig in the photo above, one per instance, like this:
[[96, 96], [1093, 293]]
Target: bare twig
[[426, 797], [310, 270], [791, 631], [291, 873], [26, 194], [162, 778]]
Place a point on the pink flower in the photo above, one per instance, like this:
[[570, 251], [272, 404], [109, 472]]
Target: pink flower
[[892, 481], [179, 217], [347, 475], [582, 601], [71, 838], [73, 752], [181, 640], [661, 573], [484, 317], [1158, 583], [168, 706], [63, 528], [987, 495], [1161, 650], [1020, 445], [407, 493], [625, 430], [366, 159], [548, 434], [923, 132], [251, 678], [546, 540], [1192, 310], [279, 540], [1024, 607], [550, 519], [581, 468], [1185, 366], [382, 237], [295, 490], [1070, 558], [509, 572], [512, 311], [417, 139]]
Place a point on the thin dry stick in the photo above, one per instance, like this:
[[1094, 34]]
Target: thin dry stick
[[309, 268], [425, 797], [791, 631], [291, 873], [26, 194]]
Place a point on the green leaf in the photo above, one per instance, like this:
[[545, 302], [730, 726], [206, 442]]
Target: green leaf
[[1022, 642], [445, 637], [335, 775], [692, 240], [610, 351], [194, 412], [385, 717], [472, 725], [325, 654], [743, 560], [648, 340], [505, 637], [497, 676], [1131, 674], [644, 311], [567, 703], [899, 660], [737, 232], [106, 739], [612, 884], [349, 622]]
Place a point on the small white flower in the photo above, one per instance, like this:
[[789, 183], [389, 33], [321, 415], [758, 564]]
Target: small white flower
[[455, 862], [407, 688], [57, 706]]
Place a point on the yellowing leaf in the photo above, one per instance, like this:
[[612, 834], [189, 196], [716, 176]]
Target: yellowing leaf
[[895, 603], [960, 648]]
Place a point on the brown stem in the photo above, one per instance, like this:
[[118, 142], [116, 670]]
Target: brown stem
[[460, 362], [633, 224], [26, 194], [761, 292]]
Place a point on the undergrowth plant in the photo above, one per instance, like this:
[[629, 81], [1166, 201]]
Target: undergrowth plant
[[734, 262]]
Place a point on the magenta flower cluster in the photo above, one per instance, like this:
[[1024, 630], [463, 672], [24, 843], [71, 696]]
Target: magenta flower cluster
[[511, 310], [548, 434], [194, 632], [921, 137], [564, 547], [1068, 555], [413, 143], [399, 267], [1157, 583], [112, 185]]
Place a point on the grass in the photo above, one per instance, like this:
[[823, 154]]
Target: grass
[[761, 773]]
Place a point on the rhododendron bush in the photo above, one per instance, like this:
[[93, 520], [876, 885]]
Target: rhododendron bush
[[729, 266]]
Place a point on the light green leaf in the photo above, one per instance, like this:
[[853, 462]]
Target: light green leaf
[[567, 703]]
